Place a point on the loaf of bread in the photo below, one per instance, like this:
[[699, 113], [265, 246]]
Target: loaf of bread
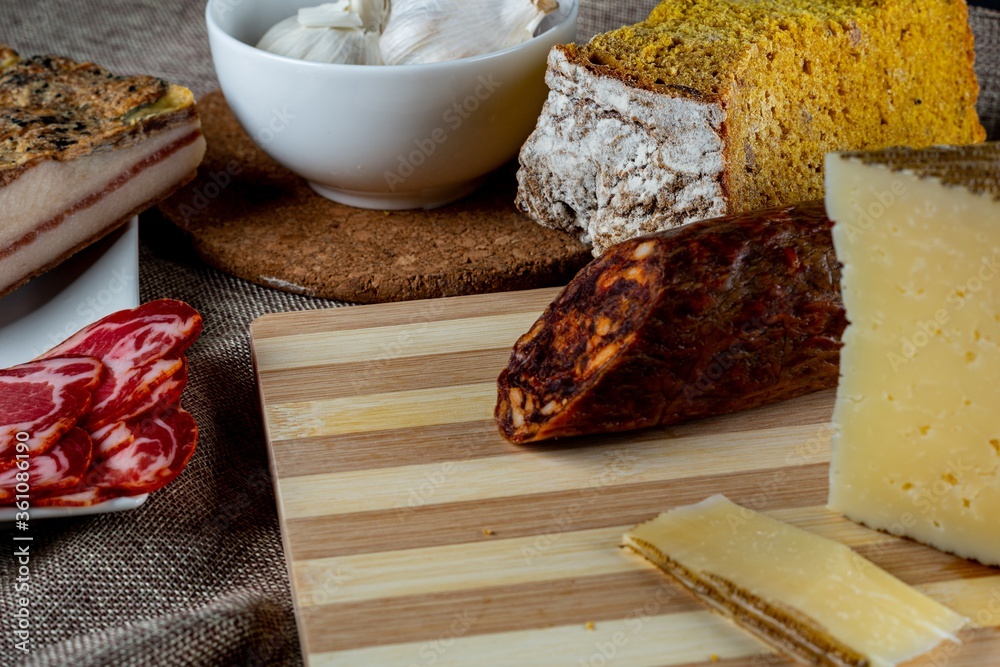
[[714, 107]]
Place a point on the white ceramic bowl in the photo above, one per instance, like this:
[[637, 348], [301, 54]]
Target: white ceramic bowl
[[386, 137]]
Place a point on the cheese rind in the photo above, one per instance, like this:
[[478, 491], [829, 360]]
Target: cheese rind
[[916, 445], [809, 596]]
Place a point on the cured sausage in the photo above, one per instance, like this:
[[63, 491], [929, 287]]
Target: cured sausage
[[43, 399], [705, 319]]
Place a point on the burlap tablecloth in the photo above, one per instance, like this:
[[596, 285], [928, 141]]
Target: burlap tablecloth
[[196, 576]]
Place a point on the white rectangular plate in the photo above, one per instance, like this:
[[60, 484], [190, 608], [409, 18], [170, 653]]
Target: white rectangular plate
[[93, 283]]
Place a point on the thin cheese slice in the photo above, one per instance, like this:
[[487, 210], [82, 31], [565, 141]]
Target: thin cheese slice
[[809, 597], [916, 446]]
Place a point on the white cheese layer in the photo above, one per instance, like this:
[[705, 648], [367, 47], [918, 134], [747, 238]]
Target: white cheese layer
[[916, 446]]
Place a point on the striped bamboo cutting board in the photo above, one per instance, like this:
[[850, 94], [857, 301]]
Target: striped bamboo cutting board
[[416, 536]]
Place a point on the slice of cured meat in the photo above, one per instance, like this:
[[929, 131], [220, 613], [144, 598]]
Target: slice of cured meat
[[154, 330], [164, 395], [140, 348], [710, 318], [162, 446], [80, 497], [127, 391], [63, 466], [110, 438], [43, 399]]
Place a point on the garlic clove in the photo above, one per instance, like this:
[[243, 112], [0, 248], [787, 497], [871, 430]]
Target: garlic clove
[[373, 13], [331, 15], [331, 33], [425, 31]]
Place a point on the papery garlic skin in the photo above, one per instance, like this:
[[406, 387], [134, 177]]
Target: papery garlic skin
[[427, 31], [344, 32]]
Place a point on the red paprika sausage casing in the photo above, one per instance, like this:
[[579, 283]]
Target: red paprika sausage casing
[[709, 318]]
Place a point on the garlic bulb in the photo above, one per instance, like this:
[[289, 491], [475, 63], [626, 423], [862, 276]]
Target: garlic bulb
[[427, 31], [346, 32]]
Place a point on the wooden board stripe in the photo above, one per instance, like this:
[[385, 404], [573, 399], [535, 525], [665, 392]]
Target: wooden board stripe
[[384, 375], [666, 640], [391, 342], [438, 443], [688, 637], [569, 554], [541, 514], [509, 476], [567, 602], [376, 412], [410, 313]]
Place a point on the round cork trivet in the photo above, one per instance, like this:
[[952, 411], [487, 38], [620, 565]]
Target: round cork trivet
[[250, 217]]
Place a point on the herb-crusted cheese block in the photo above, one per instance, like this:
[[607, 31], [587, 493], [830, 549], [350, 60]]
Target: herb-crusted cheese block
[[916, 444], [714, 107], [81, 152]]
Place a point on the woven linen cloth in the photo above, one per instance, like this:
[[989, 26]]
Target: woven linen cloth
[[196, 576]]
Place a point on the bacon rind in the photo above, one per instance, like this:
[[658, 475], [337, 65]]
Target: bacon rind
[[44, 398], [62, 467]]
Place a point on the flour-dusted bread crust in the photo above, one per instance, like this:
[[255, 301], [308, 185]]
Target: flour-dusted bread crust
[[608, 161], [81, 151], [717, 107]]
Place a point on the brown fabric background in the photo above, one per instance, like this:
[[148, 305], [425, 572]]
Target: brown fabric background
[[196, 576]]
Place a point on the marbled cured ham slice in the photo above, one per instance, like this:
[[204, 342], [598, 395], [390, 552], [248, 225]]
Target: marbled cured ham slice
[[162, 447], [62, 467], [140, 348], [154, 330], [110, 438], [43, 399], [100, 413], [163, 395], [80, 497], [128, 392]]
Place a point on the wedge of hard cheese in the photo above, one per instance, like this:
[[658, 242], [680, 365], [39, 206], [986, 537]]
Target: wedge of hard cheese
[[82, 151], [916, 446], [809, 597]]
